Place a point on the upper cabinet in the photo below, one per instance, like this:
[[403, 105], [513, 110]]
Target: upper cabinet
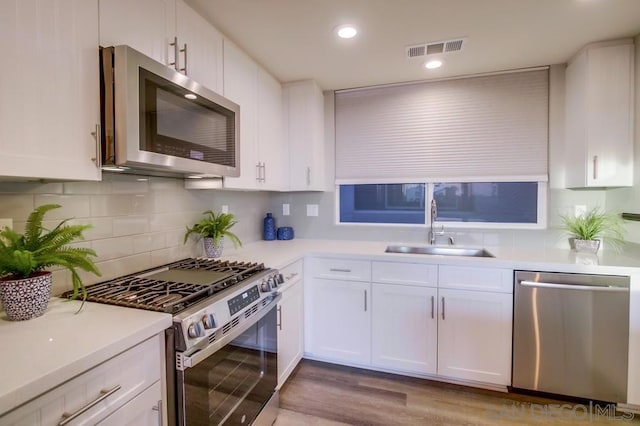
[[304, 120], [599, 116], [49, 90], [168, 31], [262, 146]]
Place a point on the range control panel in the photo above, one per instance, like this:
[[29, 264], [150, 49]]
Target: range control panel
[[243, 300]]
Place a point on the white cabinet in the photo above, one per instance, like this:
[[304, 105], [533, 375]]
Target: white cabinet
[[599, 116], [290, 322], [144, 410], [404, 328], [168, 31], [338, 315], [113, 385], [304, 118], [199, 48], [262, 148], [474, 335], [149, 26], [49, 90]]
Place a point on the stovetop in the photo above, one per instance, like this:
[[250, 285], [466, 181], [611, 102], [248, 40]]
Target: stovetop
[[174, 287]]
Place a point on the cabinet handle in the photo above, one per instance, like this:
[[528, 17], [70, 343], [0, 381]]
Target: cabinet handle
[[104, 394], [365, 300], [184, 50], [433, 307], [308, 176], [339, 270], [258, 172], [176, 53], [264, 172], [595, 167], [158, 408], [279, 318], [443, 308], [97, 134]]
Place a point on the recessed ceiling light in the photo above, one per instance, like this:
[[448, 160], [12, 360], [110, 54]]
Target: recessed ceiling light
[[346, 31], [433, 64], [190, 96]]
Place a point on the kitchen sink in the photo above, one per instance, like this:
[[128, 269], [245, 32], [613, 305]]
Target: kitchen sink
[[440, 251]]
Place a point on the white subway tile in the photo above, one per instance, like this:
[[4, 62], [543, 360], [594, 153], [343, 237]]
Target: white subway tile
[[111, 248], [16, 207], [148, 242], [87, 188], [122, 266], [129, 225], [118, 205], [134, 185], [76, 206]]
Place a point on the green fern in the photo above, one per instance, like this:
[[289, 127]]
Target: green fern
[[214, 226], [22, 255]]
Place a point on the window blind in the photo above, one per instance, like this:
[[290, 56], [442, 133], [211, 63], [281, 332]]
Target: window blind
[[486, 128]]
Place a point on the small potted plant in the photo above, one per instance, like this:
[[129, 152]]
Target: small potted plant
[[212, 229], [25, 284], [590, 228]]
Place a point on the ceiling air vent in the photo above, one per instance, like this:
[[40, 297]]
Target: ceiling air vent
[[434, 48]]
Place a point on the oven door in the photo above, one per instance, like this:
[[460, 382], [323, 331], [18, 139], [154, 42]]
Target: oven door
[[232, 384]]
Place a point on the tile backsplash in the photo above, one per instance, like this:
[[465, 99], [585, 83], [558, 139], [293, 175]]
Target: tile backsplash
[[137, 222]]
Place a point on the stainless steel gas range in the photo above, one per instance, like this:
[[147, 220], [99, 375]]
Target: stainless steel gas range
[[222, 349]]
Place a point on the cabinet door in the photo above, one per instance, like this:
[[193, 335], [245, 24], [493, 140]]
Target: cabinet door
[[338, 320], [49, 90], [143, 410], [404, 328], [290, 330], [240, 86], [146, 25], [474, 335], [304, 111], [272, 147], [203, 43]]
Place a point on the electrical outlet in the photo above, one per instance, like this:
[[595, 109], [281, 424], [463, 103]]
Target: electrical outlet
[[285, 210], [6, 223], [312, 210], [579, 210], [224, 208]]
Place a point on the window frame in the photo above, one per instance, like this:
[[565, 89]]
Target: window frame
[[541, 223]]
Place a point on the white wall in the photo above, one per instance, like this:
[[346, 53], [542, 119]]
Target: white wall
[[137, 224]]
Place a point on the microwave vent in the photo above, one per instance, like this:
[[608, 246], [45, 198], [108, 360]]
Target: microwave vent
[[434, 48]]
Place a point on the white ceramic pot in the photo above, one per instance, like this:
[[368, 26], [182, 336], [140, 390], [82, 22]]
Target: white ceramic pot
[[212, 250], [26, 298]]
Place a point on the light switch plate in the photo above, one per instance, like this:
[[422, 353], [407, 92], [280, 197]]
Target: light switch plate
[[312, 210], [6, 223], [285, 210], [224, 208]]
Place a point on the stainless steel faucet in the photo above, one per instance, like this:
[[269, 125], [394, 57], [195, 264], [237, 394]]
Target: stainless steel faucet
[[434, 215]]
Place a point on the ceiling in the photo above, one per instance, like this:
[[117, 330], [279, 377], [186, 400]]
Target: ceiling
[[294, 39]]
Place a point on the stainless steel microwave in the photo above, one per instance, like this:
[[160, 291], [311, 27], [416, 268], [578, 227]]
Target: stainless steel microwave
[[158, 121]]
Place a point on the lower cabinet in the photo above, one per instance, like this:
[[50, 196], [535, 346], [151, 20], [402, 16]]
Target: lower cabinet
[[474, 335], [404, 328], [338, 320], [122, 390], [290, 326]]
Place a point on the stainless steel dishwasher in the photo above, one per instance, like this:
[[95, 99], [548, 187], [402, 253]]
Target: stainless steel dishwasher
[[571, 334]]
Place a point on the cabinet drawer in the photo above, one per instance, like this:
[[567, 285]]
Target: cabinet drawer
[[404, 273], [472, 278], [123, 377], [292, 272], [341, 269]]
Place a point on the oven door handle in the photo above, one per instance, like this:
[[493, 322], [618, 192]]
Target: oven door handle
[[186, 361]]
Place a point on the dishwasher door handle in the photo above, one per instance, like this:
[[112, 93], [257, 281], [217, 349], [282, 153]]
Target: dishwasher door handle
[[571, 286]]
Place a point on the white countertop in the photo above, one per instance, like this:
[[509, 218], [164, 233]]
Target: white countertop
[[39, 354], [277, 254]]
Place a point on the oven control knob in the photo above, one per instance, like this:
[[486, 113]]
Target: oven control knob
[[272, 282], [195, 329], [280, 279], [208, 321], [265, 287]]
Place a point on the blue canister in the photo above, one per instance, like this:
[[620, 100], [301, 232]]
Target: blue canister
[[285, 233], [269, 229]]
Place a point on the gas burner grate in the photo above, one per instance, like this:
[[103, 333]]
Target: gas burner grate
[[141, 290]]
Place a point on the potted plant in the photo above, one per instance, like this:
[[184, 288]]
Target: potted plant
[[590, 228], [25, 284], [212, 229]]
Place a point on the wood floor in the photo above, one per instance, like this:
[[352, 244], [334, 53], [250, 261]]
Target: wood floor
[[320, 394]]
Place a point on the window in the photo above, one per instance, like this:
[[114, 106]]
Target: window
[[460, 204], [386, 203]]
